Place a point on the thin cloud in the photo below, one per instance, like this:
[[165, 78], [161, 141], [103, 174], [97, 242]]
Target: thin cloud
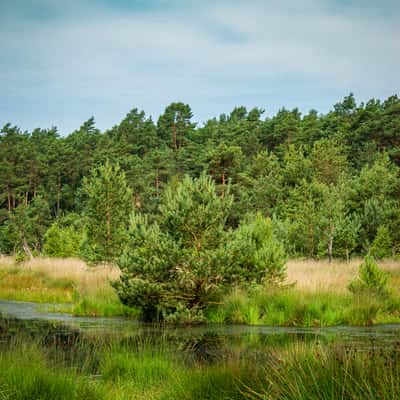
[[95, 58]]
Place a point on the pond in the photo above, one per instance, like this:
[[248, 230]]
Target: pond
[[39, 315], [41, 350]]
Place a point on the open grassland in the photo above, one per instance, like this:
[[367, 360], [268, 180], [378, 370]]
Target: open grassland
[[313, 276], [70, 283], [314, 294]]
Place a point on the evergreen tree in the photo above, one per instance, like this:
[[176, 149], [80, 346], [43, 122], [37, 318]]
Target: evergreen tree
[[174, 125], [382, 244], [109, 202], [174, 268]]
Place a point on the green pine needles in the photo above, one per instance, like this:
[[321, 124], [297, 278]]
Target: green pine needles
[[371, 279], [173, 268], [109, 202]]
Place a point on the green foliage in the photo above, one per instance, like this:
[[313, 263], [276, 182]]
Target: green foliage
[[256, 255], [175, 268], [176, 264], [174, 125], [371, 280], [330, 181], [328, 161], [62, 241], [26, 227], [346, 236], [109, 202], [382, 244]]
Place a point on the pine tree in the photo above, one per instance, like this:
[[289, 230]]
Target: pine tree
[[109, 202], [382, 244]]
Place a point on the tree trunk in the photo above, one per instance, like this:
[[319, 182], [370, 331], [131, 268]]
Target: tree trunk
[[138, 201], [157, 183], [330, 248], [26, 248], [223, 184], [108, 223], [9, 201], [58, 193], [174, 140], [311, 232], [223, 177]]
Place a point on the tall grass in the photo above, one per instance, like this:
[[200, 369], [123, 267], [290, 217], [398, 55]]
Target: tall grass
[[70, 280], [114, 370], [337, 372], [283, 307], [25, 373], [316, 293], [292, 307], [156, 370], [31, 285], [322, 276]]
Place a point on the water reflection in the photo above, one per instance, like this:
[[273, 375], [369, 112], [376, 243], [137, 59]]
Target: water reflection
[[205, 343]]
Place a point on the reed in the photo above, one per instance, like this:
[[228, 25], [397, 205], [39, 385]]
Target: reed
[[156, 370]]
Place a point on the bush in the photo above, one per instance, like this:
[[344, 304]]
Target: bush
[[62, 241], [255, 253], [382, 244], [371, 280]]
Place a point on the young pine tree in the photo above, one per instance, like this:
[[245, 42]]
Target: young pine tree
[[382, 244], [109, 202], [175, 268]]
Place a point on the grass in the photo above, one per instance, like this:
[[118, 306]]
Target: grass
[[157, 371], [25, 373], [292, 307], [316, 293], [81, 290], [336, 372], [111, 370]]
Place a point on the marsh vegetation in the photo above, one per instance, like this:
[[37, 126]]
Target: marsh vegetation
[[288, 221], [50, 361], [314, 293]]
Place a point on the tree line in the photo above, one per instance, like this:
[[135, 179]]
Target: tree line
[[328, 184]]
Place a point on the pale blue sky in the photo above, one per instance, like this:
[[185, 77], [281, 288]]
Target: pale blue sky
[[62, 62]]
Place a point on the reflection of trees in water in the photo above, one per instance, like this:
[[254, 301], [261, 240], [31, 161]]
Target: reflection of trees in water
[[73, 347], [205, 348]]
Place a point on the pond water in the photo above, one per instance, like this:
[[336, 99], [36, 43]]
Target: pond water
[[32, 314]]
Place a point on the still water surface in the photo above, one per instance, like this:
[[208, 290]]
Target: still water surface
[[379, 335]]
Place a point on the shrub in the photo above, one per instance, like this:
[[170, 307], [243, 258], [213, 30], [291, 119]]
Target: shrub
[[382, 244], [370, 280], [255, 253], [62, 241]]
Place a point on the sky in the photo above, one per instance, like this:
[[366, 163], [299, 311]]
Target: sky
[[62, 62]]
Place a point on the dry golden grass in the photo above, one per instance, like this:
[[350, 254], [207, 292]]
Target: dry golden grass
[[310, 276], [25, 279], [320, 276], [65, 268]]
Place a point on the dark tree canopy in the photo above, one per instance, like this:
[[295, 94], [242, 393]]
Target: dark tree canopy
[[329, 182]]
